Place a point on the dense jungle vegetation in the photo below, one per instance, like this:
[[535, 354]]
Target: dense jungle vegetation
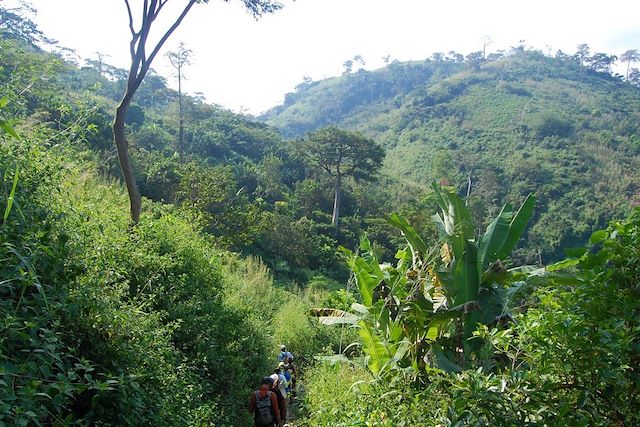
[[515, 122], [366, 223]]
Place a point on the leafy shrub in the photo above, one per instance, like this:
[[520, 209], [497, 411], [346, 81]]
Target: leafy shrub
[[570, 357], [545, 125], [343, 395], [106, 324], [42, 378]]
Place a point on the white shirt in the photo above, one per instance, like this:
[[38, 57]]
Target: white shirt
[[282, 383]]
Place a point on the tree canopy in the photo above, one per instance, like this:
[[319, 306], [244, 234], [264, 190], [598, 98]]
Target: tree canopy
[[340, 154]]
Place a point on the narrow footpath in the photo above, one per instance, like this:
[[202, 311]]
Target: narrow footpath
[[294, 411]]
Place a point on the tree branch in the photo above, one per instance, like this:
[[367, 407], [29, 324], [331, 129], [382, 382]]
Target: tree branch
[[153, 11], [175, 25], [133, 31], [160, 6]]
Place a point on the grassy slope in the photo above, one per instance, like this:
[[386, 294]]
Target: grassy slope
[[498, 123], [183, 330]]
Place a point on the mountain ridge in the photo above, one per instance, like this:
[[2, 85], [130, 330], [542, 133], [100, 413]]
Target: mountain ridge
[[522, 123]]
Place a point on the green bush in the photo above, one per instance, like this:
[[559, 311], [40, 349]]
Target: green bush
[[344, 395], [110, 324], [42, 378], [545, 125], [569, 358]]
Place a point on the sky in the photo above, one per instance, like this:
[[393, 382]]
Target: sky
[[248, 65]]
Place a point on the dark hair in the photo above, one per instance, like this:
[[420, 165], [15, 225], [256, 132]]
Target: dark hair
[[266, 381], [277, 370]]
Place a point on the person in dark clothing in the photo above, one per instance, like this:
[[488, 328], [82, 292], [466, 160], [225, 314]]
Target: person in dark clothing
[[263, 403], [278, 386], [290, 367]]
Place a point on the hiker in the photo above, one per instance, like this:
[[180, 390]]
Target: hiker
[[284, 354], [291, 367], [288, 376], [279, 387], [264, 404]]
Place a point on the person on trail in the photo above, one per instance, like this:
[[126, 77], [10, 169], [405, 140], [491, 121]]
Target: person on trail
[[291, 367], [279, 387], [263, 403], [287, 374], [284, 354]]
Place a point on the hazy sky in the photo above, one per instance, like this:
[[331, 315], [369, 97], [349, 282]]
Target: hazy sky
[[243, 63]]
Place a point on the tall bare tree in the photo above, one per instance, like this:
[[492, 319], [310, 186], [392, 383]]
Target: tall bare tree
[[100, 61], [486, 41], [179, 59], [583, 53], [141, 58], [630, 56]]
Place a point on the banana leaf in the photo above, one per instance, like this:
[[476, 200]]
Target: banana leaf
[[442, 361], [517, 226], [409, 233], [375, 350], [466, 277], [455, 215], [494, 238]]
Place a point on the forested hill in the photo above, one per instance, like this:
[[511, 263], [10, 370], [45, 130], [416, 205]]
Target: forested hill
[[241, 178], [513, 124], [154, 324]]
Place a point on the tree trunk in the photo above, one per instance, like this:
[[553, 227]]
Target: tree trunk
[[336, 202], [628, 65], [122, 146], [181, 118]]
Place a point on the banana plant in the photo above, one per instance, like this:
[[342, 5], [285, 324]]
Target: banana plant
[[471, 269], [382, 289], [419, 312]]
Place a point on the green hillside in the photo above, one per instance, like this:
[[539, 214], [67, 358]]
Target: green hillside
[[236, 173], [163, 323], [514, 124], [248, 239]]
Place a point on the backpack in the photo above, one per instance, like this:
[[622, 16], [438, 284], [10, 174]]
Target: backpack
[[264, 410]]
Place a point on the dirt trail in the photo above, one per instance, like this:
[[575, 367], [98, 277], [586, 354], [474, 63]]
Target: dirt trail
[[294, 410]]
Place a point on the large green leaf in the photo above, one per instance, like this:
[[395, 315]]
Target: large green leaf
[[455, 215], [368, 274], [334, 316], [401, 349], [442, 230], [367, 282], [517, 226], [374, 348], [466, 277], [564, 264], [359, 308], [338, 320], [442, 361], [409, 233], [493, 239]]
